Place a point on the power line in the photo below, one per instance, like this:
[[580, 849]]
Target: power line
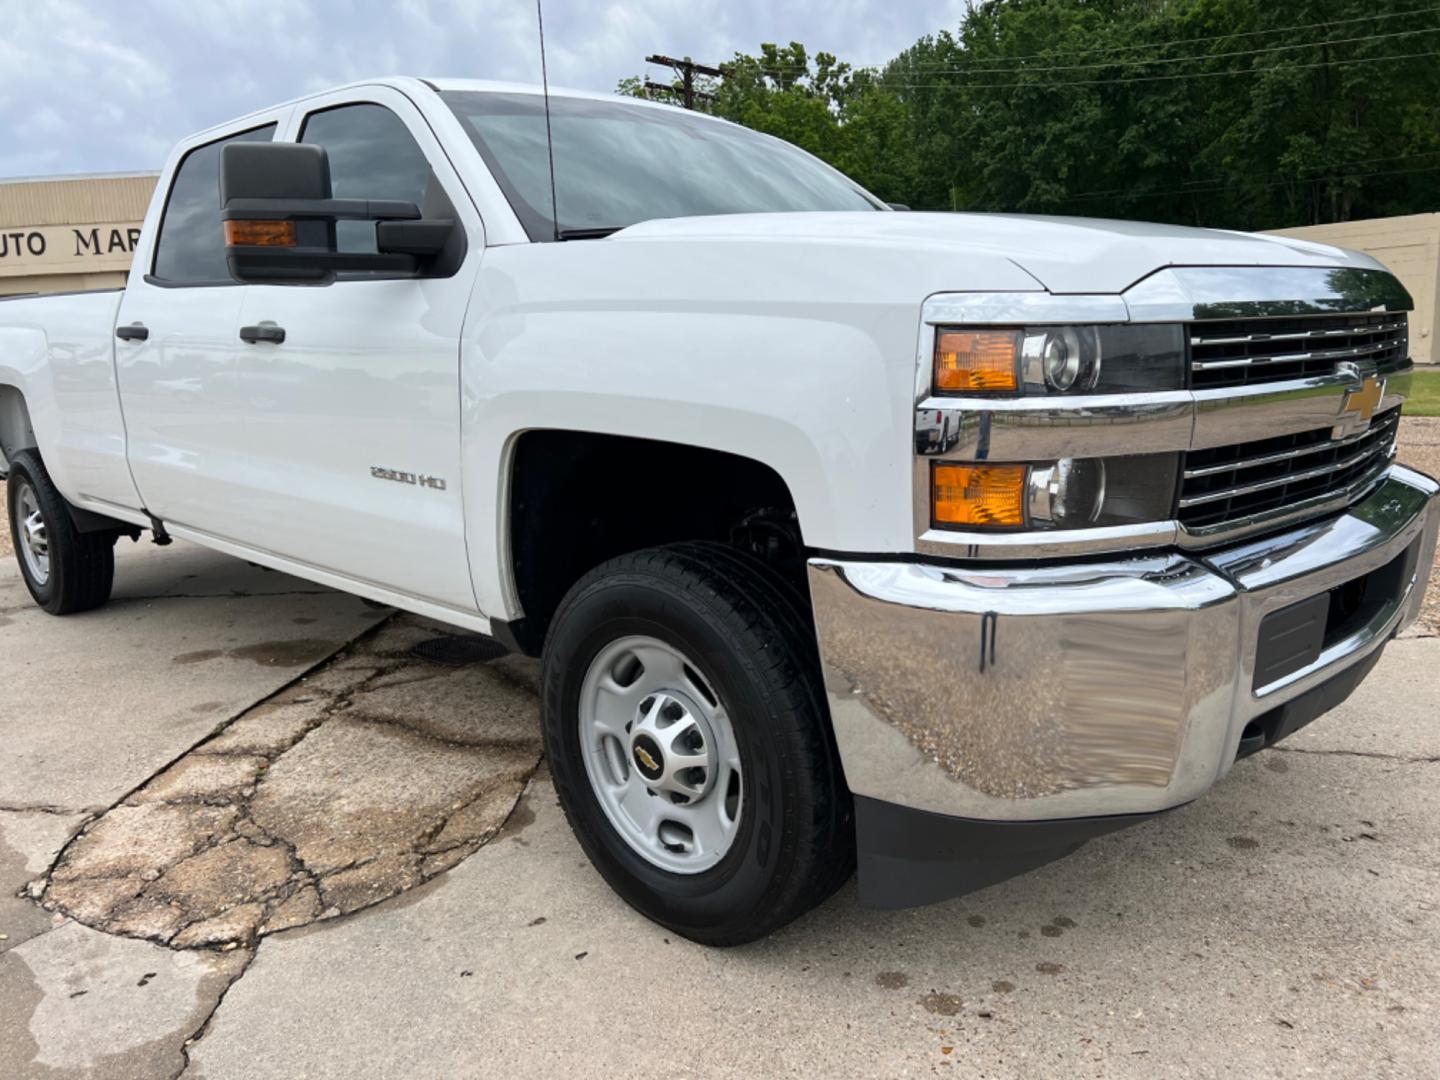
[[1220, 37], [1220, 183], [1042, 85], [1197, 57], [1002, 63], [1196, 185]]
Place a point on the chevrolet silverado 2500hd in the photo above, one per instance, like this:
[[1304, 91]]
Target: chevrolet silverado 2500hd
[[944, 540]]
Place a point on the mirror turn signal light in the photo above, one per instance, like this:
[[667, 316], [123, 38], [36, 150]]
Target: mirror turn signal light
[[260, 234], [983, 360], [984, 495]]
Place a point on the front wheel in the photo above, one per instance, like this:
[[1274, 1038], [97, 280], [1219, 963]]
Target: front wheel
[[65, 570], [686, 731]]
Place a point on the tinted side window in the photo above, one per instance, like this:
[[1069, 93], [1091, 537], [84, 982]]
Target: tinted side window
[[191, 246], [372, 156]]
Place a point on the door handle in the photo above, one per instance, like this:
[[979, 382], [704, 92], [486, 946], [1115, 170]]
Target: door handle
[[266, 331], [133, 332]]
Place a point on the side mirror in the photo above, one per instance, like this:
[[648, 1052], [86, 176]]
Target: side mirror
[[279, 215]]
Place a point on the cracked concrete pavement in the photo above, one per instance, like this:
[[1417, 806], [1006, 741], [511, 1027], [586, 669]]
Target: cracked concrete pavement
[[363, 779], [300, 766], [366, 800]]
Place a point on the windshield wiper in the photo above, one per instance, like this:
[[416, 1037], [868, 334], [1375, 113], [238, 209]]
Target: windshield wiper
[[586, 234]]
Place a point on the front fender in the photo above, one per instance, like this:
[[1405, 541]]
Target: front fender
[[813, 394]]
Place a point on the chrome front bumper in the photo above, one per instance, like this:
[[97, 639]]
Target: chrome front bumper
[[1091, 688]]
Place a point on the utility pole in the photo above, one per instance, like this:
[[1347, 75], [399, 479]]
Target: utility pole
[[687, 70]]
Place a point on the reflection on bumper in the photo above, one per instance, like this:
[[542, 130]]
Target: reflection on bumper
[[1114, 687]]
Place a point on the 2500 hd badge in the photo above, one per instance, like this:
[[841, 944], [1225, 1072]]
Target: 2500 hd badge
[[435, 483]]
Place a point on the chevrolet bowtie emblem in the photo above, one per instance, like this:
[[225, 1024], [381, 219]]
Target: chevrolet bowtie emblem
[[1358, 406], [643, 756]]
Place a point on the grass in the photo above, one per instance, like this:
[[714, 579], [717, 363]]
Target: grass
[[1424, 399]]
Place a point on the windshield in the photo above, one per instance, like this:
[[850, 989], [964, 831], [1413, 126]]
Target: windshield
[[618, 164]]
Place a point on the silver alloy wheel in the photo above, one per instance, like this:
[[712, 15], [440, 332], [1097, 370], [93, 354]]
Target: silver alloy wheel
[[34, 539], [661, 754]]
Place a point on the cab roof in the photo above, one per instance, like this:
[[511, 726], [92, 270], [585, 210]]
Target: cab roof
[[415, 85]]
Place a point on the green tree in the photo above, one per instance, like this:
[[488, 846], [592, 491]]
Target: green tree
[[1231, 113]]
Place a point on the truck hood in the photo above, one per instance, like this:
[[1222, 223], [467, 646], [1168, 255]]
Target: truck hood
[[1064, 255]]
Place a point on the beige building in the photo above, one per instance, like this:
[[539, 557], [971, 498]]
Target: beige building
[[70, 234], [1410, 247]]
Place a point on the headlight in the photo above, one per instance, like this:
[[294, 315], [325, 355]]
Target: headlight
[[1069, 493], [1058, 360], [1065, 359]]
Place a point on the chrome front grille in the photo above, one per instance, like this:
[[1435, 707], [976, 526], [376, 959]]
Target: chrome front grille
[[1228, 484], [1253, 351]]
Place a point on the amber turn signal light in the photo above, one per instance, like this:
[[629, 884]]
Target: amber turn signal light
[[977, 360], [259, 234], [990, 496]]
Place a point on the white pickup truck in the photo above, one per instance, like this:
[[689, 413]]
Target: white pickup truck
[[943, 541]]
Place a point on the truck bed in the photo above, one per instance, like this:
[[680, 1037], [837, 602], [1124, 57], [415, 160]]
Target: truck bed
[[57, 365]]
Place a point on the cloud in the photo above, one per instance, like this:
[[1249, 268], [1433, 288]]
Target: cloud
[[109, 85]]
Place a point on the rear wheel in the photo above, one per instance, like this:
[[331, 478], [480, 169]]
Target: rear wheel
[[686, 730], [65, 570]]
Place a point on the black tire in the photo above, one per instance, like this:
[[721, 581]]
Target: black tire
[[82, 565], [749, 629]]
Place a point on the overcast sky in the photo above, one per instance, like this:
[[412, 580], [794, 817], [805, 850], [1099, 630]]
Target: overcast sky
[[109, 85]]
